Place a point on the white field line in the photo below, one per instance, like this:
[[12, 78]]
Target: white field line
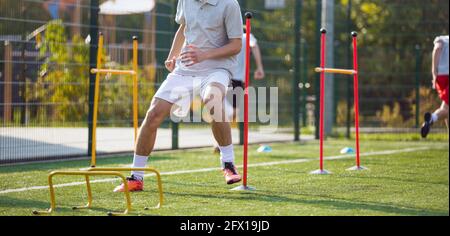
[[388, 152]]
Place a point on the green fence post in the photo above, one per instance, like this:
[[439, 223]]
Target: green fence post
[[296, 80], [175, 138], [418, 62], [349, 65], [93, 32], [317, 80]]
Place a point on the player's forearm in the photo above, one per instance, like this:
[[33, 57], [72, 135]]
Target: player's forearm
[[177, 43], [258, 58], [229, 50]]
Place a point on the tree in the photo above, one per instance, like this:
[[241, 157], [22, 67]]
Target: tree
[[63, 82]]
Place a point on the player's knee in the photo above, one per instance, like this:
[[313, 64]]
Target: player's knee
[[213, 103], [214, 94], [210, 100], [215, 108]]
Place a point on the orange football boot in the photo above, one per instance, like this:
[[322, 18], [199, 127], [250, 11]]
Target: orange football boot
[[231, 174], [134, 185]]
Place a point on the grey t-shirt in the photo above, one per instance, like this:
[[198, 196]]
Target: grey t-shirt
[[443, 61], [209, 24]]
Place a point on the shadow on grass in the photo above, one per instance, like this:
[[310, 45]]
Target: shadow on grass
[[8, 202], [349, 204], [31, 205], [197, 184], [398, 180], [325, 202], [272, 156]]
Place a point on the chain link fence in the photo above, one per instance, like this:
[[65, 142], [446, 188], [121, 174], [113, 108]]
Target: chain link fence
[[47, 48]]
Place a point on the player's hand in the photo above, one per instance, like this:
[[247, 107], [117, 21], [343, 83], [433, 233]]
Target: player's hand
[[170, 64], [193, 55], [259, 74]]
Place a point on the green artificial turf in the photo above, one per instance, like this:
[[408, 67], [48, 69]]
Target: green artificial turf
[[402, 183]]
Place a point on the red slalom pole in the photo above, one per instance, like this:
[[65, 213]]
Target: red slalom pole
[[355, 74], [356, 94], [322, 100], [356, 105], [247, 82], [248, 17], [322, 94]]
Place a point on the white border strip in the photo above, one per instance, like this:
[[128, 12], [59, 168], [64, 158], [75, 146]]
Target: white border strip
[[388, 152]]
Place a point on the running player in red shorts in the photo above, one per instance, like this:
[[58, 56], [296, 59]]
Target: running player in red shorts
[[440, 83]]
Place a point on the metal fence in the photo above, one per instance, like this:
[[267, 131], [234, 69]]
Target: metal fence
[[48, 46]]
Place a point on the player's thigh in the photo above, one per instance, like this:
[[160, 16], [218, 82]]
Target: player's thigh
[[175, 88], [158, 111], [444, 106], [160, 106], [215, 87]]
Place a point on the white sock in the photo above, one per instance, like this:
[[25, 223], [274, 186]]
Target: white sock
[[226, 154], [434, 117], [139, 162]]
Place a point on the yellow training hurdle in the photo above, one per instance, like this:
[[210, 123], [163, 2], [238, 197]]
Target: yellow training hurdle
[[93, 170]]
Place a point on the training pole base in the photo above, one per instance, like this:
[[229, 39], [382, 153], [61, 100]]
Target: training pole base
[[243, 188], [357, 168], [320, 172]]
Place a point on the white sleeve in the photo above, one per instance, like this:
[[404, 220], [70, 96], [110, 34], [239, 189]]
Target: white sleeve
[[233, 20], [179, 18], [439, 39], [253, 41]]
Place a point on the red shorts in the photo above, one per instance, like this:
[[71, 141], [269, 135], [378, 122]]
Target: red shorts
[[442, 87]]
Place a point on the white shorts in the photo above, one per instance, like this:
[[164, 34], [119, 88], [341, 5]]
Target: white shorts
[[180, 89]]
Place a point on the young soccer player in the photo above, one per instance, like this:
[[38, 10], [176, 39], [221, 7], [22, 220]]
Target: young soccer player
[[440, 83], [201, 61]]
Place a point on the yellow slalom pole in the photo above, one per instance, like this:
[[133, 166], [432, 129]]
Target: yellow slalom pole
[[96, 98], [135, 87], [335, 71]]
